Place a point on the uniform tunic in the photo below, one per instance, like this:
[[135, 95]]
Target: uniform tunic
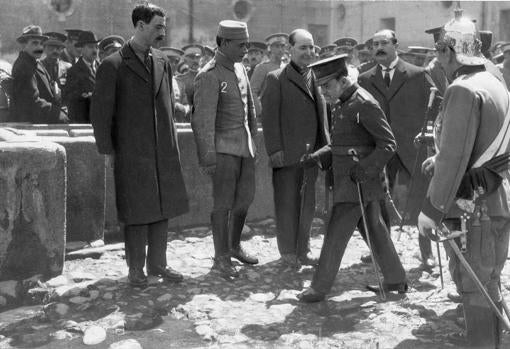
[[258, 79], [360, 124]]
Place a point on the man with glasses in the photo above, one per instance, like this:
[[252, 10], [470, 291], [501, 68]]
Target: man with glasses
[[402, 91], [276, 44]]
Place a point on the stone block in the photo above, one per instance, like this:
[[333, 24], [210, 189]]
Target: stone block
[[32, 209]]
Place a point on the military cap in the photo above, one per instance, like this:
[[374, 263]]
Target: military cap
[[346, 43], [280, 38], [31, 32], [329, 68], [208, 51], [182, 67], [55, 39], [435, 32], [233, 30], [257, 46], [172, 52], [86, 37], [193, 50], [327, 51], [111, 41], [73, 34]]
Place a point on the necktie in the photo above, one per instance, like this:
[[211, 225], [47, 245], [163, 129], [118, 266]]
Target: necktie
[[307, 76], [387, 79], [148, 61]]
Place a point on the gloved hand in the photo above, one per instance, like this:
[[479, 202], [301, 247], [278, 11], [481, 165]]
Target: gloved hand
[[358, 174], [478, 177], [309, 160]]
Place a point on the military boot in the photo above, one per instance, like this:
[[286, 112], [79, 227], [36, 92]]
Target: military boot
[[220, 231], [236, 228]]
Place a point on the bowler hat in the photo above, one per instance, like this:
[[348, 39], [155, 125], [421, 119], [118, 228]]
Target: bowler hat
[[31, 32], [86, 37]]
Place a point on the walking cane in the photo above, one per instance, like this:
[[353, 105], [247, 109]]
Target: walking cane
[[302, 192], [355, 157]]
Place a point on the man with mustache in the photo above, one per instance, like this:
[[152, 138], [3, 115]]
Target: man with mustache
[[256, 53], [294, 119], [224, 127], [402, 91], [81, 79], [132, 114], [276, 44], [27, 103]]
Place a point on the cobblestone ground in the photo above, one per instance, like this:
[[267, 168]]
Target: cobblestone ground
[[92, 302]]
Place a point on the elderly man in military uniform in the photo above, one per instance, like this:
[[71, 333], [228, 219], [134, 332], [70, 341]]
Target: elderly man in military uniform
[[27, 102], [470, 130], [256, 54], [276, 44], [192, 56], [224, 126], [359, 127]]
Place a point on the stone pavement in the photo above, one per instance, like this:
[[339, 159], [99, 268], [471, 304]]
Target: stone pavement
[[91, 304]]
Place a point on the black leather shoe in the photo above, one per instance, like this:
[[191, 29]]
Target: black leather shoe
[[224, 266], [166, 273], [308, 259], [400, 288], [311, 296], [242, 256], [137, 278]]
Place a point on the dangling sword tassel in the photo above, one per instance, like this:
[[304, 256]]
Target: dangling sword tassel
[[355, 157]]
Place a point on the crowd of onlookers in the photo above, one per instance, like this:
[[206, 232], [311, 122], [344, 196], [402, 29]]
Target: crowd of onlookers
[[53, 77]]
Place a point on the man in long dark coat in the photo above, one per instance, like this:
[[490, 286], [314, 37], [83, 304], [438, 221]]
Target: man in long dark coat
[[293, 115], [131, 112]]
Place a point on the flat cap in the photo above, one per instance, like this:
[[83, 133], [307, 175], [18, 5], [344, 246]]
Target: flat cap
[[55, 39], [257, 46], [172, 51], [233, 30], [193, 50], [329, 68], [277, 38]]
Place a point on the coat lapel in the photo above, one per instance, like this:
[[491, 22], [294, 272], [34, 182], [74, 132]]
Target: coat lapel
[[158, 70], [134, 63], [399, 77], [377, 80], [297, 79], [45, 77]]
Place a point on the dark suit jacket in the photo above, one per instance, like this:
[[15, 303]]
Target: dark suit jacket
[[80, 79], [404, 103], [27, 103], [291, 116], [132, 115]]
